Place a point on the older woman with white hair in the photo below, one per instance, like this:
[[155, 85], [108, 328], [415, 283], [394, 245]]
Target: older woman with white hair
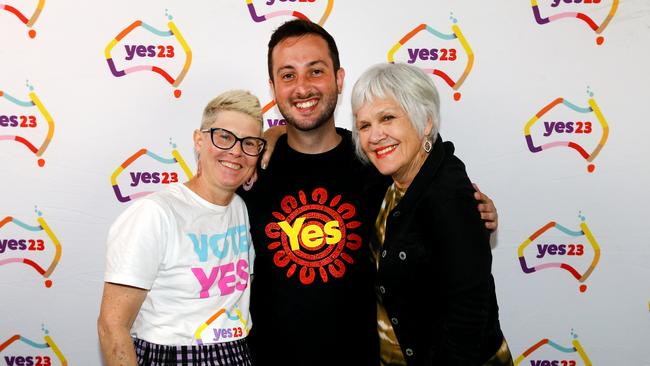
[[428, 237]]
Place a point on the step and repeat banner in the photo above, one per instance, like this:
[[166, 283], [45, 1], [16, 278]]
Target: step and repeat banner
[[545, 100]]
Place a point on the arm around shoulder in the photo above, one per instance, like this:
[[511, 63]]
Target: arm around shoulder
[[271, 136], [487, 209], [467, 270]]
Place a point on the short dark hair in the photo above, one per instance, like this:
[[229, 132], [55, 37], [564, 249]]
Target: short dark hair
[[300, 27]]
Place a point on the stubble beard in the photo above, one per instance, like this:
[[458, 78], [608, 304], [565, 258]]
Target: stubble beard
[[319, 121]]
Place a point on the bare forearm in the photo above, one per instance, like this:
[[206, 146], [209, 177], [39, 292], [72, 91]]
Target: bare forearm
[[120, 306], [117, 347]]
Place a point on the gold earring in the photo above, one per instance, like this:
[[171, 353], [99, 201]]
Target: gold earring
[[427, 145]]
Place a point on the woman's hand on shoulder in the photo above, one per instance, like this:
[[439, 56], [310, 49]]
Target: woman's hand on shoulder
[[271, 136]]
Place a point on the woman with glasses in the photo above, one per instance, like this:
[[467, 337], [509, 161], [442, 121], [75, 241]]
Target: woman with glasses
[[179, 261]]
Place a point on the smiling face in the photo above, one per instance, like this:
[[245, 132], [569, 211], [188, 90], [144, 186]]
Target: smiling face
[[223, 171], [390, 140], [305, 85]]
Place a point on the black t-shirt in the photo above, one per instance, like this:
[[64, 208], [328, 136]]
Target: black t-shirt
[[312, 296]]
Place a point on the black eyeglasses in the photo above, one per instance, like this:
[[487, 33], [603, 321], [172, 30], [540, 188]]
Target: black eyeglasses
[[225, 140]]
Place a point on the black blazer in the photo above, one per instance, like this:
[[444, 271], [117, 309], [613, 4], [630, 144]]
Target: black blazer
[[435, 267]]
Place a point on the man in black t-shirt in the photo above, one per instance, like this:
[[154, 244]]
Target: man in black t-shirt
[[312, 298]]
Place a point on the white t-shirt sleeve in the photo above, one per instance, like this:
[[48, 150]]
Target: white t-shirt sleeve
[[251, 247], [136, 245]]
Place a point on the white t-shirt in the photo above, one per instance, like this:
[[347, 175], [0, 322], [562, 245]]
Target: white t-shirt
[[194, 257]]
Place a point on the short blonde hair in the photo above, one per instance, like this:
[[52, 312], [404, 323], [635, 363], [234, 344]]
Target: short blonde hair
[[232, 100]]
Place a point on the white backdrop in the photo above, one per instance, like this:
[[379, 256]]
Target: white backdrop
[[586, 299]]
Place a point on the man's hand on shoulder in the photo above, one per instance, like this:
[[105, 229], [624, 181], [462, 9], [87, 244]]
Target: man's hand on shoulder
[[487, 209]]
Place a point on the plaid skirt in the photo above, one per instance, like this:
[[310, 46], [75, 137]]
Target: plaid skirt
[[235, 353]]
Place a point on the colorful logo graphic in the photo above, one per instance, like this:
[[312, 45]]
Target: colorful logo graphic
[[29, 22], [272, 5], [31, 352], [555, 354], [434, 59], [583, 127], [14, 244], [238, 330], [574, 9], [270, 120], [148, 177], [556, 251], [18, 123], [312, 235], [143, 51]]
